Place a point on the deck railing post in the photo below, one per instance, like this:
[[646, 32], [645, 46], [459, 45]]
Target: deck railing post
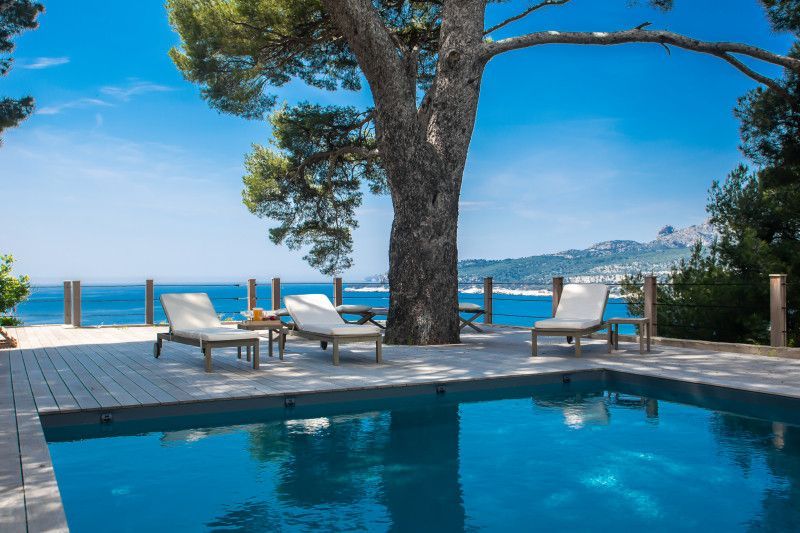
[[777, 310], [337, 291], [276, 293], [149, 302], [488, 297], [76, 303], [651, 303], [252, 299], [67, 302], [558, 287]]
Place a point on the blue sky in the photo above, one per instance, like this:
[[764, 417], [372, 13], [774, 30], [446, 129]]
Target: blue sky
[[125, 173]]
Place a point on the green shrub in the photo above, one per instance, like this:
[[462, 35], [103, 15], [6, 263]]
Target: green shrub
[[13, 291]]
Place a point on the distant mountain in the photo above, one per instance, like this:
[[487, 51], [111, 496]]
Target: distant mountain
[[606, 262]]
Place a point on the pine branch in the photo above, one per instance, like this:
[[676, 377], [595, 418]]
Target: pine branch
[[723, 50], [536, 7]]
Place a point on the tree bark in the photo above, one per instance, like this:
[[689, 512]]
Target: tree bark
[[423, 253], [426, 186], [423, 151]]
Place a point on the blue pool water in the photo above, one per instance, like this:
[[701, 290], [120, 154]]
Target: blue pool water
[[565, 459]]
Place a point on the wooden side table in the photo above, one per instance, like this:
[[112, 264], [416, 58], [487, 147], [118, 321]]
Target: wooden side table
[[644, 330], [270, 325]]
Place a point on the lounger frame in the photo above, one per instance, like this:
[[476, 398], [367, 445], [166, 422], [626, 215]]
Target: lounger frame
[[470, 321], [573, 333], [366, 317], [336, 340], [207, 346]]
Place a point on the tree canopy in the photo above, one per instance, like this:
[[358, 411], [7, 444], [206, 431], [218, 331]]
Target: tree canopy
[[722, 293], [16, 16], [784, 14], [310, 180]]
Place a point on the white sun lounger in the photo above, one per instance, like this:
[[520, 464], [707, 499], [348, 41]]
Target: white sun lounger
[[193, 321], [580, 312], [315, 318]]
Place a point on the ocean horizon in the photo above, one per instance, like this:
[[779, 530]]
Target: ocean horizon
[[124, 304]]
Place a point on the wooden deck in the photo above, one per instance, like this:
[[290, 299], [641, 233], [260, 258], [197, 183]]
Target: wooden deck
[[62, 370]]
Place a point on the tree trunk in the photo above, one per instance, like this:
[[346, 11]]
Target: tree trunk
[[423, 151], [425, 165], [423, 256]]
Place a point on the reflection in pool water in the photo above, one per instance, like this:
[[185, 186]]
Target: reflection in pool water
[[579, 461]]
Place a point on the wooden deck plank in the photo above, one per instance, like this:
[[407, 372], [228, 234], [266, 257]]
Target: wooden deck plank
[[83, 397], [226, 363], [148, 374], [81, 394], [124, 370], [40, 388], [153, 375], [12, 494], [101, 372], [172, 372], [228, 370], [196, 383], [117, 392], [55, 381], [43, 508], [93, 386]]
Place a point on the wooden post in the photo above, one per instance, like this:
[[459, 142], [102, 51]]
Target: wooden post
[[651, 303], [777, 310], [67, 302], [76, 303], [488, 297], [558, 287], [252, 299], [337, 291], [149, 301], [276, 293]]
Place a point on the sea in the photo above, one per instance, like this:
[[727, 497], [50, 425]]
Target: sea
[[121, 304]]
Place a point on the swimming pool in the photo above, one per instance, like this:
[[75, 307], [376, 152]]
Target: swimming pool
[[591, 455]]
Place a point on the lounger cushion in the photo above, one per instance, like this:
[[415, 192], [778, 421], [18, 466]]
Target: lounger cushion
[[312, 309], [216, 334], [583, 301], [342, 330], [357, 309], [566, 323], [189, 311], [469, 307]]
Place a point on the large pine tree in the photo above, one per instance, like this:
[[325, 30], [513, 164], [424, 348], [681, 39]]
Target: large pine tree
[[424, 63]]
